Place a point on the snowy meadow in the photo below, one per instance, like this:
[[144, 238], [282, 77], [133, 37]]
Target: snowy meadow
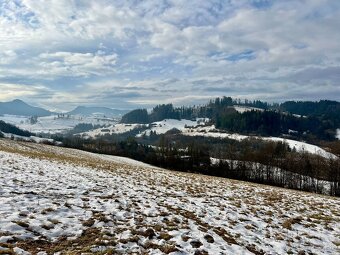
[[63, 201]]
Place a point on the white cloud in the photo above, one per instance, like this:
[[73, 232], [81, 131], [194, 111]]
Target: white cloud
[[7, 57], [161, 47], [76, 64], [11, 91]]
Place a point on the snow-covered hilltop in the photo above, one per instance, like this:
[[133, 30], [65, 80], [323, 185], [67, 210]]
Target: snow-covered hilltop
[[62, 200]]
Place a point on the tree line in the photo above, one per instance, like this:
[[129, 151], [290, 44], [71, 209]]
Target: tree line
[[273, 163]]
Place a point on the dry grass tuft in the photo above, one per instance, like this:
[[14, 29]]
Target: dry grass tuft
[[289, 222], [21, 223]]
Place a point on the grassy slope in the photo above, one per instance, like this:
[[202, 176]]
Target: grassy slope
[[57, 199]]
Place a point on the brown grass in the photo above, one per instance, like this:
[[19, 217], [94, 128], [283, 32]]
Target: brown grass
[[85, 241], [289, 222], [225, 235], [165, 236]]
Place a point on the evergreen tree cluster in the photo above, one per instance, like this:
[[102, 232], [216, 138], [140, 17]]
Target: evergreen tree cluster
[[325, 110], [83, 127], [308, 108], [136, 116], [273, 123]]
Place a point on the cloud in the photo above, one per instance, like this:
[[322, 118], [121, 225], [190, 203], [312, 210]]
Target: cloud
[[7, 57], [76, 64], [143, 52], [10, 91]]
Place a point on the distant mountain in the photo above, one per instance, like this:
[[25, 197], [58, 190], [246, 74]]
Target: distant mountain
[[18, 107], [87, 111]]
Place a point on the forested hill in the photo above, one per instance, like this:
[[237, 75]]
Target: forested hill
[[325, 109], [308, 108], [318, 120]]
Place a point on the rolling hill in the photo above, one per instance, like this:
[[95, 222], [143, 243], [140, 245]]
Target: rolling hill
[[65, 201]]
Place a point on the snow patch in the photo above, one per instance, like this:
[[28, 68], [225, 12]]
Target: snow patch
[[242, 109]]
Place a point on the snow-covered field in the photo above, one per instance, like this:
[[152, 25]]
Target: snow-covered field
[[112, 129], [299, 146], [34, 139], [302, 146], [54, 124], [61, 200], [242, 109], [211, 131], [160, 127]]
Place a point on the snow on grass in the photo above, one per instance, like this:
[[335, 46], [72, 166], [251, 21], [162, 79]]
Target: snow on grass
[[53, 124], [302, 146], [113, 129], [34, 139], [211, 131], [161, 127], [56, 199]]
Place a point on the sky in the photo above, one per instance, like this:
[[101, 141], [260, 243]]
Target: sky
[[132, 53]]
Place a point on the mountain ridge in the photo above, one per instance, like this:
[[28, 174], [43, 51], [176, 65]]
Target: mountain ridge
[[19, 107], [89, 110]]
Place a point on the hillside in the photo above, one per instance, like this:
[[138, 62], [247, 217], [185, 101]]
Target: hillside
[[194, 129], [56, 199]]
